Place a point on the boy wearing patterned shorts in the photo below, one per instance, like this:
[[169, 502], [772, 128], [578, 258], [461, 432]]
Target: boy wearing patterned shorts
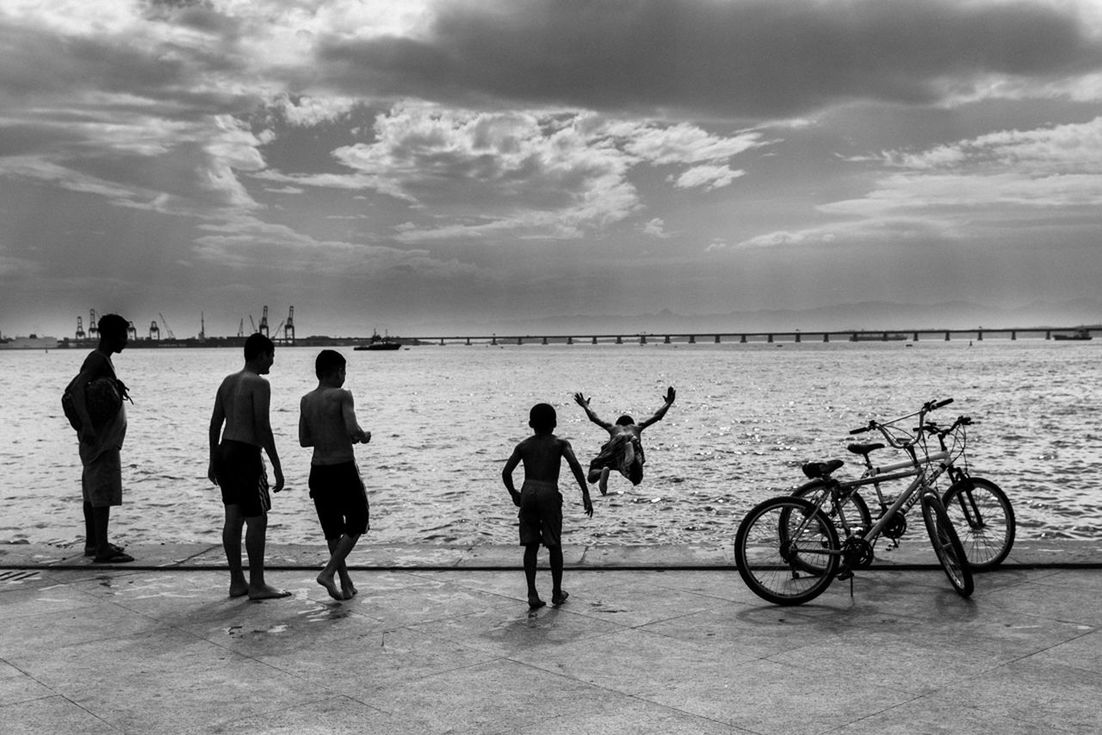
[[539, 499]]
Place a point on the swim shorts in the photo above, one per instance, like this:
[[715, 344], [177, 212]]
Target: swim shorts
[[241, 475], [623, 453], [101, 480], [540, 513], [340, 499]]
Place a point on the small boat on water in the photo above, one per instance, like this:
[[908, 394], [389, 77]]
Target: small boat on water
[[379, 344], [1078, 334], [33, 342]]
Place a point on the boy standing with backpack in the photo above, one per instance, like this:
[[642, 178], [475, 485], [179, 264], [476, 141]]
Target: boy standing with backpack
[[93, 403]]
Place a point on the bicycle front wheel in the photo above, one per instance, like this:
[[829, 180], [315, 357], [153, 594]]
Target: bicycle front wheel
[[947, 545], [983, 518], [787, 551]]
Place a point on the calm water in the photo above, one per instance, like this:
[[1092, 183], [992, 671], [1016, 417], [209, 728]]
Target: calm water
[[445, 418]]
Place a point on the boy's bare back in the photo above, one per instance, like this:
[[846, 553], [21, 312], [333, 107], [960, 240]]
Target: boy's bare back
[[244, 398], [328, 424], [542, 456]]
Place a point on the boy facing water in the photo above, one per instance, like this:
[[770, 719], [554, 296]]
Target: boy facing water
[[327, 422], [539, 499], [242, 406]]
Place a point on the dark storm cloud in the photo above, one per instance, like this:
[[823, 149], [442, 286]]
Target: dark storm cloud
[[730, 59]]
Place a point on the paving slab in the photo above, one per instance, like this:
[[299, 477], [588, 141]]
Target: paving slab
[[913, 553], [447, 644]]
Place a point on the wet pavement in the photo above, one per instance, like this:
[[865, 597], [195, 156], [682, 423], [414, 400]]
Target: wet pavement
[[440, 640]]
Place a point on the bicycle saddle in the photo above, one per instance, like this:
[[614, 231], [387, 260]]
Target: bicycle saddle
[[821, 470], [864, 449]]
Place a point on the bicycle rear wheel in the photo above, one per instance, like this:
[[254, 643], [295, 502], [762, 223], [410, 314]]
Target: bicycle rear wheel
[[983, 518], [787, 551], [947, 545]]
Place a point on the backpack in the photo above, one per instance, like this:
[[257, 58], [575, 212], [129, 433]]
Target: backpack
[[67, 405]]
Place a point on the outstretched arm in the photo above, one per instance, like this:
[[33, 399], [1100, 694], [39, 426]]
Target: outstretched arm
[[671, 394], [584, 403]]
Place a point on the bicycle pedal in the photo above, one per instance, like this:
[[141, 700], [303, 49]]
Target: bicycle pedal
[[845, 574]]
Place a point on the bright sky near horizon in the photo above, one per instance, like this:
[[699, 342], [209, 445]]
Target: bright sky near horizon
[[464, 165]]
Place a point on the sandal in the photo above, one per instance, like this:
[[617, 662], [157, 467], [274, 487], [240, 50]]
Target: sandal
[[91, 550], [114, 557]]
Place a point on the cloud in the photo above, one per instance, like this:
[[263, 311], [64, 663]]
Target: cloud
[[750, 59], [655, 228], [969, 188], [491, 175], [1055, 149], [245, 242], [707, 177]]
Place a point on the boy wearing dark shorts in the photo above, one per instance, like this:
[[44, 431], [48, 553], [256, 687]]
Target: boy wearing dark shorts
[[327, 422], [539, 499], [239, 430]]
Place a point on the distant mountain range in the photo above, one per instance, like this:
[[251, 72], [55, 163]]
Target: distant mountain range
[[863, 316]]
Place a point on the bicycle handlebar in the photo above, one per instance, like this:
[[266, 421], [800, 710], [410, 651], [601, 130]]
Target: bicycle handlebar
[[926, 408]]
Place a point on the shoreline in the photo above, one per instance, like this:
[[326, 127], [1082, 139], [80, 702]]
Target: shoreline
[[1032, 554]]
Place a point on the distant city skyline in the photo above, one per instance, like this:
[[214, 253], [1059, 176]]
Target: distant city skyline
[[479, 165]]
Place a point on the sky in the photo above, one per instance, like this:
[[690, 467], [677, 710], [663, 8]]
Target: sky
[[488, 166]]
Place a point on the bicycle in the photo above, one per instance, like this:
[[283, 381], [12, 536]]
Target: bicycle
[[787, 549], [980, 511]]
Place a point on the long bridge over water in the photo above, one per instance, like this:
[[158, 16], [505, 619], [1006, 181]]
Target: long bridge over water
[[774, 336], [672, 337]]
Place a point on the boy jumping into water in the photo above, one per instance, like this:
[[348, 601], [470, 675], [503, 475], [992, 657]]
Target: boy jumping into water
[[327, 422], [624, 449], [539, 499], [236, 466]]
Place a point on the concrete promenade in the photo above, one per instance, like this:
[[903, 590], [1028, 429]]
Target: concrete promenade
[[440, 640]]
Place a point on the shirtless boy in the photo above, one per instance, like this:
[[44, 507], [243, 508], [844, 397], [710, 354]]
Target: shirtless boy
[[327, 422], [624, 449], [100, 442], [236, 466], [539, 499]]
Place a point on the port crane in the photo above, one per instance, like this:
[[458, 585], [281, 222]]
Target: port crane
[[168, 329], [289, 327]]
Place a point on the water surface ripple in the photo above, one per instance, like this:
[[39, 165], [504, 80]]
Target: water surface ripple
[[444, 420]]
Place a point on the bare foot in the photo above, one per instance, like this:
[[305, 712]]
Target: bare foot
[[330, 586], [267, 592], [535, 603], [238, 587], [558, 598], [348, 589]]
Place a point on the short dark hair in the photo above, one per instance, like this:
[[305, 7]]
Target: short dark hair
[[625, 420], [258, 344], [542, 418], [328, 361], [113, 324]]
